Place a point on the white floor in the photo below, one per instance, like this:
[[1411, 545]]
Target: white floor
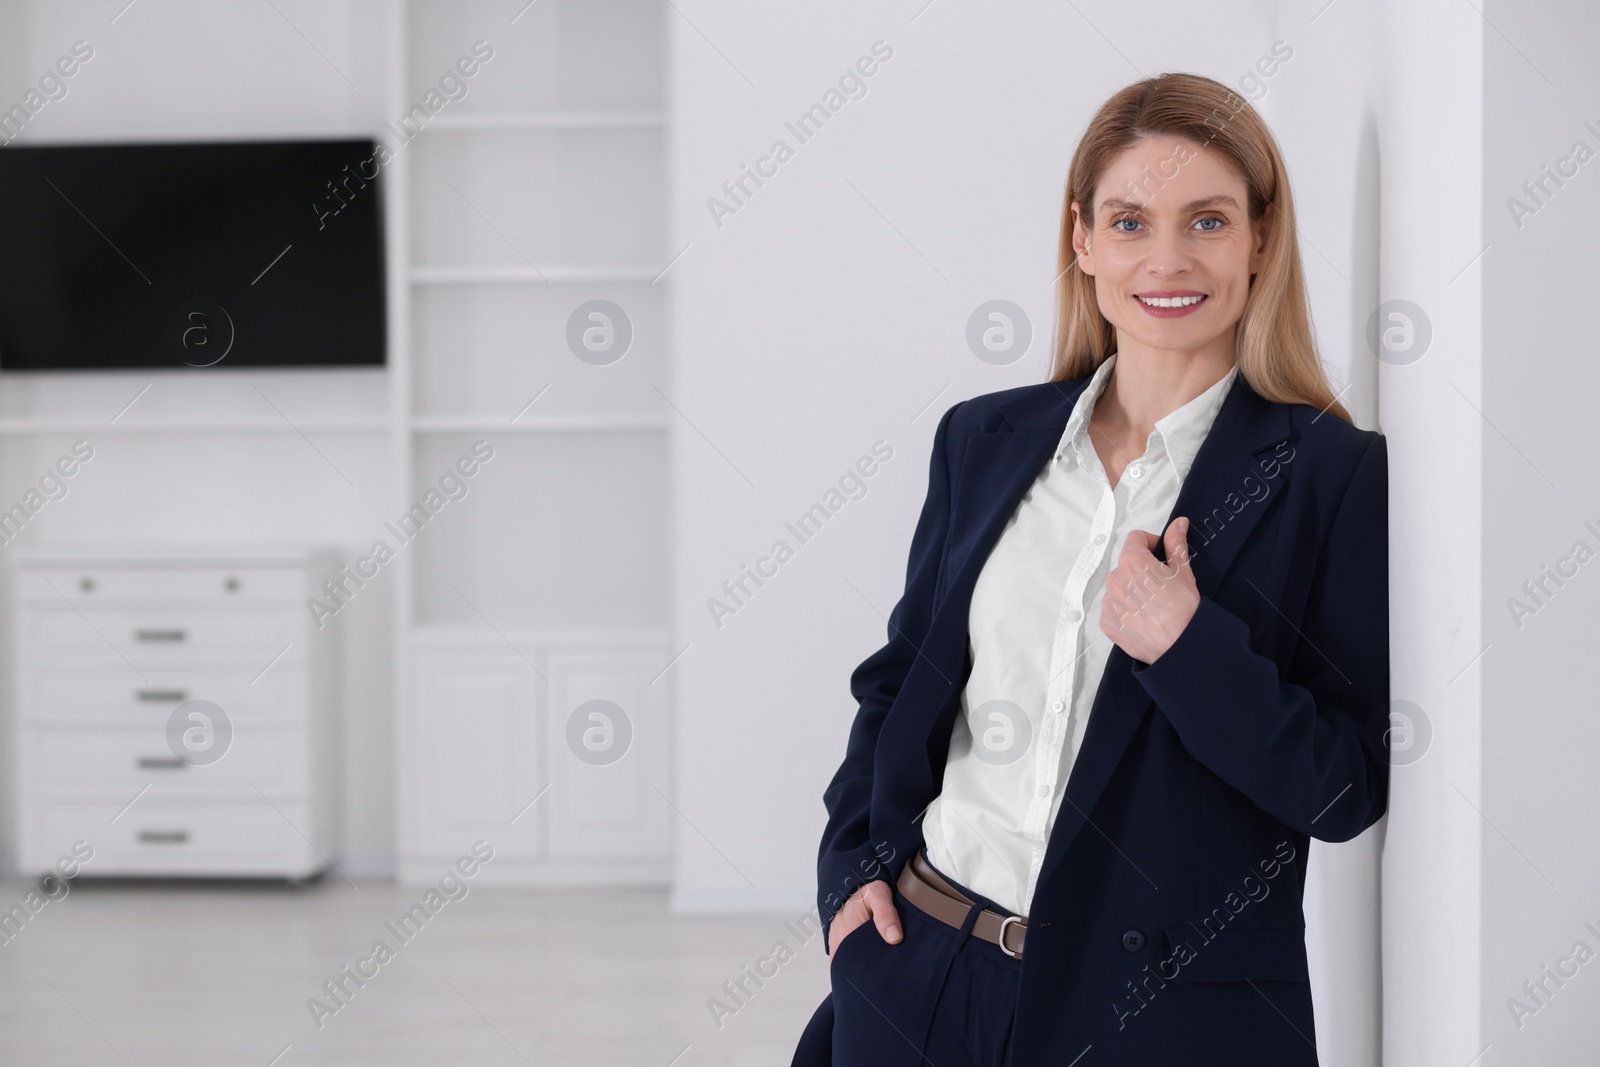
[[215, 974]]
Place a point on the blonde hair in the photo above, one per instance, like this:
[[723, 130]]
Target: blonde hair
[[1274, 345]]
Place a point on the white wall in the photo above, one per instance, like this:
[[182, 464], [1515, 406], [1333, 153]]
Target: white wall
[[1430, 151], [1539, 793], [188, 70]]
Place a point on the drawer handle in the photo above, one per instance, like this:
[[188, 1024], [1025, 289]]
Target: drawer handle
[[160, 635], [161, 696], [163, 837], [160, 763]]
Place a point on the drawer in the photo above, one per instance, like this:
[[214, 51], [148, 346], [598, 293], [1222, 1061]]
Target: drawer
[[139, 635], [116, 695], [89, 585], [118, 764], [178, 839]]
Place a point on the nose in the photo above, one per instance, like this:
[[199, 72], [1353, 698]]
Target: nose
[[1169, 255]]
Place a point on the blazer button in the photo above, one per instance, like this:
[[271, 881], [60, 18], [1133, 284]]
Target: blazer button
[[1133, 941]]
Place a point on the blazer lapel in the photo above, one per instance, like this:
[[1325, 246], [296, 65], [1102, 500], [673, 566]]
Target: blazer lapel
[[996, 470]]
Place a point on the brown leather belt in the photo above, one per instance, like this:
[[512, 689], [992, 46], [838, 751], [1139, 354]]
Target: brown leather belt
[[932, 893]]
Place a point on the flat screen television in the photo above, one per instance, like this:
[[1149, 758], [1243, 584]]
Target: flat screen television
[[203, 255]]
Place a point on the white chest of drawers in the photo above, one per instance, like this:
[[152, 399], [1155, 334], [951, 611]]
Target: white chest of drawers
[[110, 647]]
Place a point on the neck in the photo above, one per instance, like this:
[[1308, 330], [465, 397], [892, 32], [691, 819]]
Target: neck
[[1148, 384]]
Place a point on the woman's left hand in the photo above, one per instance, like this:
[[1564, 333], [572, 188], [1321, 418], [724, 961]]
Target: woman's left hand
[[1147, 602]]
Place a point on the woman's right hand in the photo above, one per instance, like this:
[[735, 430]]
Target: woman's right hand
[[873, 902]]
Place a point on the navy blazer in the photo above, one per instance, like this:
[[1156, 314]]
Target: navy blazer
[[1167, 917]]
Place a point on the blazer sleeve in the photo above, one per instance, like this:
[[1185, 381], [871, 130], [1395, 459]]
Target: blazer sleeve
[[1311, 750], [848, 857]]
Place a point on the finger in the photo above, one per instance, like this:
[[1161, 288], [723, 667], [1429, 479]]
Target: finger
[[880, 904], [1132, 581], [1114, 611], [1176, 541], [887, 921], [1121, 593], [1141, 541]]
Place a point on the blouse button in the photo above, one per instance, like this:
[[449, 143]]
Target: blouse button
[[1133, 471], [1044, 790], [1057, 706], [1099, 539], [1074, 615]]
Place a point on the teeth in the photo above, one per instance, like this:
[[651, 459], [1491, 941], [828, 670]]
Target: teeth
[[1172, 301]]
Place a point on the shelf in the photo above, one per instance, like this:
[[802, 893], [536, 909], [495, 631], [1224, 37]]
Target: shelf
[[540, 424], [550, 121], [555, 274], [234, 427]]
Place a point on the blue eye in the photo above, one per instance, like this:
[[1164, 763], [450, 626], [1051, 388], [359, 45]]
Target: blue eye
[[1216, 219], [1116, 223]]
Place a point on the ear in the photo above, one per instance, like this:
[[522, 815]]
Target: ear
[[1080, 241], [1263, 231]]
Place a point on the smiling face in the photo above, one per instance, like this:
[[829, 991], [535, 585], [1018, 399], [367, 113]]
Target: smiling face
[[1171, 257]]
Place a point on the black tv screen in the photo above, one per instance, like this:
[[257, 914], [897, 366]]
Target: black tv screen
[[214, 255]]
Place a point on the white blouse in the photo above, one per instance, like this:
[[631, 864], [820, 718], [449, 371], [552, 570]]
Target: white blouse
[[1037, 648]]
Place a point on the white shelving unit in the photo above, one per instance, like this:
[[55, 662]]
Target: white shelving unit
[[539, 191]]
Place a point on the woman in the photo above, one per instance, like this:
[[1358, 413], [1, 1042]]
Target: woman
[[1141, 657]]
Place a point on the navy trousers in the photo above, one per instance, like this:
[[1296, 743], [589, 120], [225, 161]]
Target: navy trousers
[[938, 997]]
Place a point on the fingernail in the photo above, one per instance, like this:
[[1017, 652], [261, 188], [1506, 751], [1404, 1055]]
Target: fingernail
[[894, 933]]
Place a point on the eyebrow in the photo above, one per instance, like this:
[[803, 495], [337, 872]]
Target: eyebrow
[[1116, 204]]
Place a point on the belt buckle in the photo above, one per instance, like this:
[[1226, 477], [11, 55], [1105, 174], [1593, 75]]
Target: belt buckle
[[1001, 938]]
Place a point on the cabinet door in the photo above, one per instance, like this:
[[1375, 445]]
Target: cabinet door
[[470, 756], [607, 734]]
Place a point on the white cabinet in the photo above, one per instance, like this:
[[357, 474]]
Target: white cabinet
[[173, 708], [470, 753], [554, 751], [607, 732]]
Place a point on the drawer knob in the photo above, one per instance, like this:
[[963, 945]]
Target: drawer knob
[[160, 763], [85, 585], [163, 837], [167, 636], [161, 696]]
